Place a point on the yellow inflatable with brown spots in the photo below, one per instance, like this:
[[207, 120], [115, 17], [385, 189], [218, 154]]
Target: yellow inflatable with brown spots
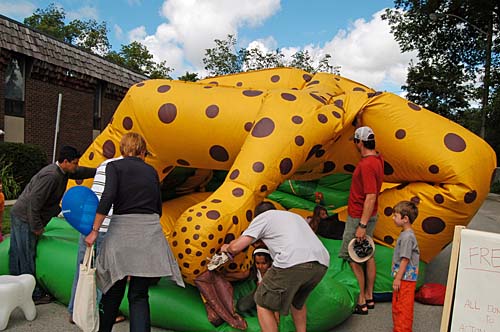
[[268, 126]]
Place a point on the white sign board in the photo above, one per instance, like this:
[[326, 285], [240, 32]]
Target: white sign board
[[476, 306]]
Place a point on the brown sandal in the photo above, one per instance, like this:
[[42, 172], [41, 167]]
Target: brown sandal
[[361, 309], [370, 303]]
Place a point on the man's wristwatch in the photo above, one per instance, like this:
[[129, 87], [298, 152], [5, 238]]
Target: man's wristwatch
[[362, 225]]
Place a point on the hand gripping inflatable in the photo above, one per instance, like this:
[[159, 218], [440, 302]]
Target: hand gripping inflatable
[[268, 126]]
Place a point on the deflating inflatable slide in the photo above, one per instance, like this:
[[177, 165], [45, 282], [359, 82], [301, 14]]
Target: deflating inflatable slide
[[283, 129]]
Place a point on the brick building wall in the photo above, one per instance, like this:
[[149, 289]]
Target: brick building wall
[[108, 108], [77, 112], [76, 120]]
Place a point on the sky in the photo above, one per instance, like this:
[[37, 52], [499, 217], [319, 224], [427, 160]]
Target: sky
[[179, 31]]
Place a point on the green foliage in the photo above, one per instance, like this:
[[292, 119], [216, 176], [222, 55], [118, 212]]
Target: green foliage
[[137, 57], [255, 59], [188, 77], [92, 36], [302, 60], [451, 41], [88, 35], [223, 59], [11, 187], [49, 20], [26, 160]]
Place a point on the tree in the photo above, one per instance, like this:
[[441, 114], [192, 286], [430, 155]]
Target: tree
[[302, 60], [49, 20], [452, 50], [92, 36], [188, 77], [255, 59], [88, 35], [137, 57], [223, 59]]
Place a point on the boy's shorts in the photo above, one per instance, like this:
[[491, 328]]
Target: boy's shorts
[[350, 231], [281, 288]]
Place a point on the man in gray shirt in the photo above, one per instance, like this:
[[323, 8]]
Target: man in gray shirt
[[299, 263], [35, 207]]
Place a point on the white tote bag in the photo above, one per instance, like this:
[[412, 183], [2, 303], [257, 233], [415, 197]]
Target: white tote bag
[[85, 309]]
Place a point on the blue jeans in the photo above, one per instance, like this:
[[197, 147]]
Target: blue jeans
[[22, 253], [82, 246]]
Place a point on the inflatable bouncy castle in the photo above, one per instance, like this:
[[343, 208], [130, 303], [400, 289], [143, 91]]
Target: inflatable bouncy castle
[[285, 128]]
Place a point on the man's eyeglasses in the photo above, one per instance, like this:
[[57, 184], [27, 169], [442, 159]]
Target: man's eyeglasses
[[356, 140]]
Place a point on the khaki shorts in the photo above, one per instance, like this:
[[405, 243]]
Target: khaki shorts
[[349, 233], [281, 288]]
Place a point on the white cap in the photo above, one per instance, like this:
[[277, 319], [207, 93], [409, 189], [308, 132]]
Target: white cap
[[364, 134]]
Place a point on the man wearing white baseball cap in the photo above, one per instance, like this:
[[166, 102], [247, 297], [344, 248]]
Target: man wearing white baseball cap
[[362, 205]]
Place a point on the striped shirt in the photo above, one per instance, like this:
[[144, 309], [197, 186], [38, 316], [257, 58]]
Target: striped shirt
[[98, 188]]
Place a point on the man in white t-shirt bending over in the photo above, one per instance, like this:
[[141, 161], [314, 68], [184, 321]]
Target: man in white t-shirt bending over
[[299, 263]]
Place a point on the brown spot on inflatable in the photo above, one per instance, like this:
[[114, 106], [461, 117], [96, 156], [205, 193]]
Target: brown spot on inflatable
[[212, 111], [127, 123], [109, 149], [163, 88], [219, 153], [288, 96], [454, 142], [433, 225], [263, 128], [167, 113]]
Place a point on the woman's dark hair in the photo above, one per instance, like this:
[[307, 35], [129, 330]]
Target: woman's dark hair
[[314, 223]]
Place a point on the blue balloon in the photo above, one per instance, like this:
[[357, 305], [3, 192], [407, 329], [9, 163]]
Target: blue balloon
[[79, 205]]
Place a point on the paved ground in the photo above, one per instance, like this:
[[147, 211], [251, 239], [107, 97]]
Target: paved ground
[[54, 318]]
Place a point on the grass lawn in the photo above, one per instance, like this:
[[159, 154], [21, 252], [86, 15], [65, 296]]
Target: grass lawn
[[6, 220]]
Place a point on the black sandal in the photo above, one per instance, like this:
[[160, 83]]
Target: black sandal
[[370, 303], [361, 309]]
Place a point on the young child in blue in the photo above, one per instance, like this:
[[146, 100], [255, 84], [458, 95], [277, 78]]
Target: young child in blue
[[404, 267]]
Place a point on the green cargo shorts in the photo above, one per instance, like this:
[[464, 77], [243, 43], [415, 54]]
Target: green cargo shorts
[[282, 287]]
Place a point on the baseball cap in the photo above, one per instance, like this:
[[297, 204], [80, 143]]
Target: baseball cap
[[361, 251], [364, 134]]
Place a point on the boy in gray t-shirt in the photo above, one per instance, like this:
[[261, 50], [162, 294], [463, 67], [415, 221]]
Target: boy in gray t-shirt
[[404, 266]]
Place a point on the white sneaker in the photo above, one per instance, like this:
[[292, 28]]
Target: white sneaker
[[217, 260]]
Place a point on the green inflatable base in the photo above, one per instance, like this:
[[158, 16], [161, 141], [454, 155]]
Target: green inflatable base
[[181, 309]]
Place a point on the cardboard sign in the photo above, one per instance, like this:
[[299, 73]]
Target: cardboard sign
[[476, 302]]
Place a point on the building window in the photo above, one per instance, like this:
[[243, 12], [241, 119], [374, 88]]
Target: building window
[[14, 87]]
